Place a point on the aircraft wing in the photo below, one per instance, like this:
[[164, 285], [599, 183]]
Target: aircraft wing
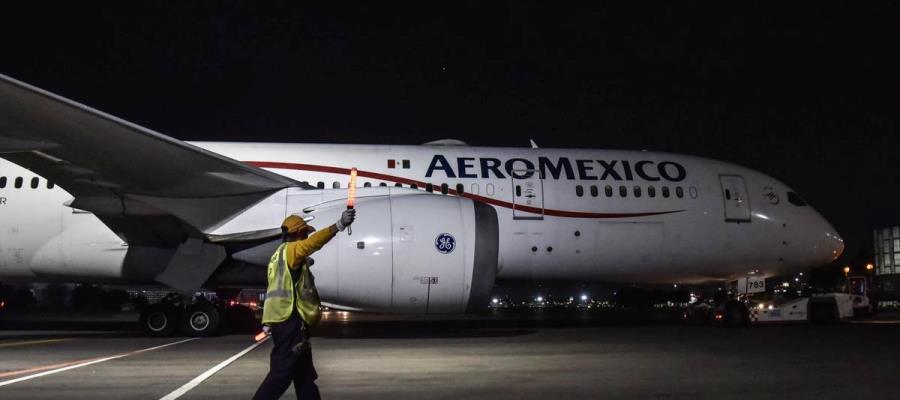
[[149, 188]]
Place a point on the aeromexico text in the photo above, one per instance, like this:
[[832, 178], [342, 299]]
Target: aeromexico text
[[559, 168]]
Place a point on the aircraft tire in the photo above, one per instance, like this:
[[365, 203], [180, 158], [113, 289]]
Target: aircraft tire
[[160, 320], [201, 320]]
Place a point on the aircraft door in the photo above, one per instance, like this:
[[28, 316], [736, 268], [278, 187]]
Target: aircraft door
[[527, 194], [734, 194]]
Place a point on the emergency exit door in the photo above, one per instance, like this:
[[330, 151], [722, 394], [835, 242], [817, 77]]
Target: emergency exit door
[[734, 194], [527, 194]]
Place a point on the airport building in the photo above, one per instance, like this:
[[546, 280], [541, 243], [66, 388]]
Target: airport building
[[887, 251]]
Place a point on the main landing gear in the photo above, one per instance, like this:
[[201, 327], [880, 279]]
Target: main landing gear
[[199, 318]]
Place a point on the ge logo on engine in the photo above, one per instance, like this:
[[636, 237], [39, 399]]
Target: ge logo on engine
[[445, 243]]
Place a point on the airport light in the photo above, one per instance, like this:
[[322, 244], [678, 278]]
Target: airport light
[[846, 270], [584, 297], [539, 299], [495, 300], [869, 267]]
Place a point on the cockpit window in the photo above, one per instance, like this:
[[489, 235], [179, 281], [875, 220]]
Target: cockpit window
[[795, 199]]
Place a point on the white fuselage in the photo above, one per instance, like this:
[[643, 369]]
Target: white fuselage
[[564, 214]]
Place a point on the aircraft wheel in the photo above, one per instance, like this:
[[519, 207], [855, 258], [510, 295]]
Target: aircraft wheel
[[160, 320], [201, 319]]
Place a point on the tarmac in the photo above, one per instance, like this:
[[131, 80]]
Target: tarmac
[[511, 357]]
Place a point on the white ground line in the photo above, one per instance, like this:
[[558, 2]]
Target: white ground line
[[210, 372], [90, 362]]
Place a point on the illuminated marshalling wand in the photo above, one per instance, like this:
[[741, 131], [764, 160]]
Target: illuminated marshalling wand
[[351, 195], [260, 336]]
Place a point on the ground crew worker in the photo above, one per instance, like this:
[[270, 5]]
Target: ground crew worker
[[292, 306]]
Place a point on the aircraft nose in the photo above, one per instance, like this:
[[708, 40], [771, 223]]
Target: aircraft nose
[[835, 243], [831, 243], [819, 243]]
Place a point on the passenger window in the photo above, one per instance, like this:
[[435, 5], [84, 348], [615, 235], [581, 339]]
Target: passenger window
[[35, 182], [579, 191], [651, 191], [637, 191], [475, 188], [665, 191], [795, 199], [444, 188], [693, 192], [679, 192], [593, 191], [335, 185], [382, 184], [623, 191], [398, 184], [608, 190], [18, 183], [460, 188], [429, 187], [414, 186], [367, 184], [320, 185], [2, 182], [489, 189]]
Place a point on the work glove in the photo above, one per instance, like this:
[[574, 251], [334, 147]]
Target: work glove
[[347, 218], [267, 330]]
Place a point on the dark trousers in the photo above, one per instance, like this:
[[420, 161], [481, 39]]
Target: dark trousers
[[287, 366]]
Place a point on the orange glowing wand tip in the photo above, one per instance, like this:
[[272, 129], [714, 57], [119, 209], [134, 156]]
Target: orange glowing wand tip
[[351, 190], [260, 336], [351, 194]]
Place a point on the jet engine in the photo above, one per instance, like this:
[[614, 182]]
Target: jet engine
[[408, 253]]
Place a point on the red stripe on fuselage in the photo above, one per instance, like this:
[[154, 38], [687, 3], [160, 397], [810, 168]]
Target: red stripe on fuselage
[[488, 200]]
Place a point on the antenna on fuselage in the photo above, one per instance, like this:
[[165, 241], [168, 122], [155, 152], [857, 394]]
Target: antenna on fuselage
[[533, 144]]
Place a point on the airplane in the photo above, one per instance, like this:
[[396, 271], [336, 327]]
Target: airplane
[[86, 196]]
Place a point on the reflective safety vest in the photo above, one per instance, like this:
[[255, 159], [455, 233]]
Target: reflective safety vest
[[283, 293]]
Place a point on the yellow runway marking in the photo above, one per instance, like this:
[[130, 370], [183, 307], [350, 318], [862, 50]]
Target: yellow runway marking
[[26, 343]]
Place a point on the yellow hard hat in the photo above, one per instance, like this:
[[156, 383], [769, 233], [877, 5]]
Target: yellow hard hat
[[293, 224]]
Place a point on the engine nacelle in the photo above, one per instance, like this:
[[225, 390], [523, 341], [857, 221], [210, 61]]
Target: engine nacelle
[[410, 253]]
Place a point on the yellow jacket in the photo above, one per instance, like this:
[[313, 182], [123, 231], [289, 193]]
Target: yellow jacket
[[283, 294]]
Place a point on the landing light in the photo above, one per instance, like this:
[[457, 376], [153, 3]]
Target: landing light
[[584, 297], [539, 299], [495, 300]]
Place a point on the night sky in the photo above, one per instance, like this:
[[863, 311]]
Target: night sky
[[808, 94]]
